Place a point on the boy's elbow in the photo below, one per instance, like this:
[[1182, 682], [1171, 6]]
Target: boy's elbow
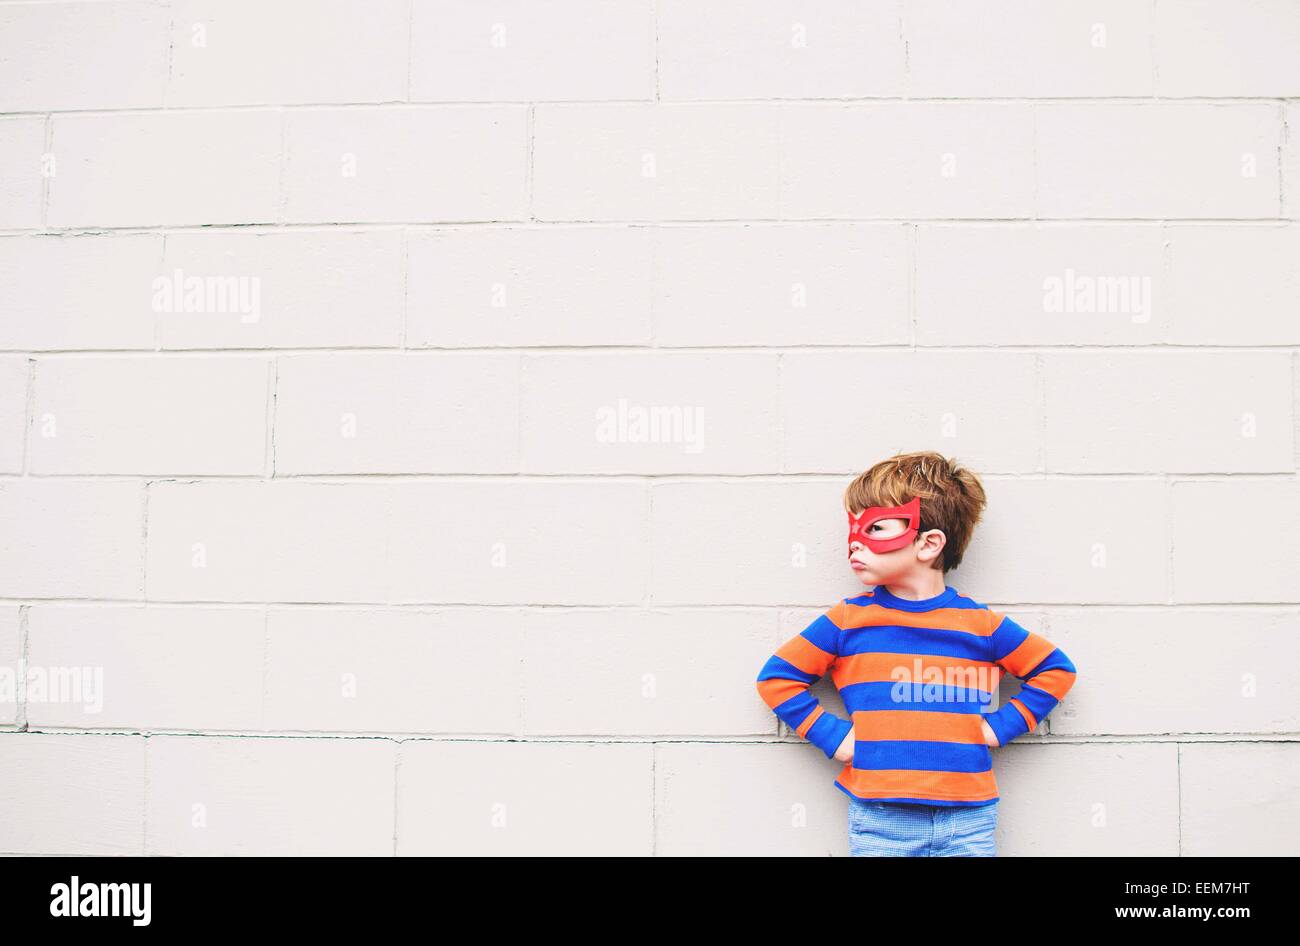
[[1066, 676], [1065, 669], [1073, 673]]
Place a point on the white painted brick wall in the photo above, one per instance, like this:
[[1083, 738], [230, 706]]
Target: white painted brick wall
[[338, 560]]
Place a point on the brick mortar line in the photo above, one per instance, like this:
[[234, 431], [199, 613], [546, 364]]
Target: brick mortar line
[[638, 740], [168, 74], [29, 414], [1025, 223], [265, 667], [1065, 101], [1178, 780], [145, 793], [649, 479], [410, 46], [24, 649], [397, 793], [372, 607], [123, 354], [145, 496], [1021, 224], [1153, 47]]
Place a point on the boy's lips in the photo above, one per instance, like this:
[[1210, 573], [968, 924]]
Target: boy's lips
[[857, 565]]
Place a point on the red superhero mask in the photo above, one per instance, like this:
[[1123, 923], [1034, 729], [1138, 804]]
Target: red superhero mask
[[860, 526]]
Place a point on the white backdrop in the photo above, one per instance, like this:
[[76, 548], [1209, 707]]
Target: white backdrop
[[420, 420]]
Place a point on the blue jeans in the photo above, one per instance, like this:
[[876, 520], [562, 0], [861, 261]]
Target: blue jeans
[[896, 829]]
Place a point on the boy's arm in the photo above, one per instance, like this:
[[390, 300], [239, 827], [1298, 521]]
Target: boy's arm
[[1045, 670], [797, 664]]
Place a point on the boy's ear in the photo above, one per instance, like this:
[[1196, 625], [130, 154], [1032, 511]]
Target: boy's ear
[[931, 543]]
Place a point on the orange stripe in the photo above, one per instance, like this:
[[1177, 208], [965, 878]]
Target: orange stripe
[[876, 725], [1032, 651], [776, 690], [971, 620], [1024, 711], [928, 669], [919, 783], [808, 722], [804, 654], [1056, 682]]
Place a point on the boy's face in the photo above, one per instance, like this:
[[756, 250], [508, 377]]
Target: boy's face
[[875, 568]]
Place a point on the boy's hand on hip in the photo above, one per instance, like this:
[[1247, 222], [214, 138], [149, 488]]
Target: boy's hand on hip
[[845, 752], [990, 737]]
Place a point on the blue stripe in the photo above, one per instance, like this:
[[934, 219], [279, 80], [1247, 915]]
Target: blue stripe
[[796, 709], [1006, 637], [1007, 723], [959, 603], [828, 732], [778, 668], [921, 754], [1039, 702], [823, 633], [925, 697], [924, 641], [1056, 660]]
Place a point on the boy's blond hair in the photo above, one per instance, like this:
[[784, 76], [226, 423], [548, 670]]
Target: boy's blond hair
[[952, 497]]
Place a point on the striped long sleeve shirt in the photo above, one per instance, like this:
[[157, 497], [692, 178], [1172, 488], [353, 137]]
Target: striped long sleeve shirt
[[916, 678]]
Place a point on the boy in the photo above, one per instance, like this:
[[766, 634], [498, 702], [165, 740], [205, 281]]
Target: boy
[[916, 664]]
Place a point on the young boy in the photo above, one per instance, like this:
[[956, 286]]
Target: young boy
[[916, 664]]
